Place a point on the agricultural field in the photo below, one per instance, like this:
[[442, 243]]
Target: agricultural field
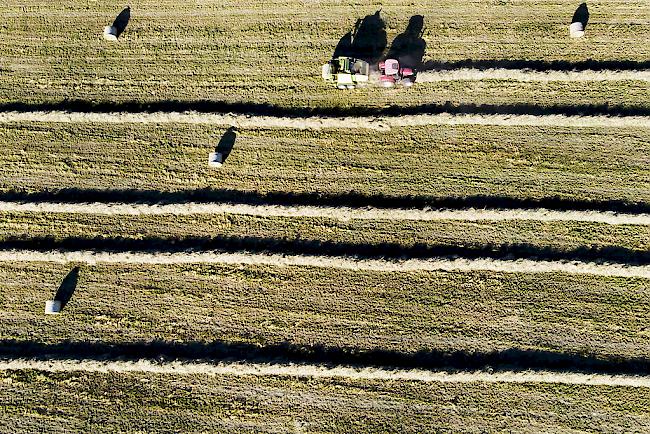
[[271, 51], [101, 402], [469, 254]]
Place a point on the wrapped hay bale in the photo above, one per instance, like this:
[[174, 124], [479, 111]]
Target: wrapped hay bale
[[576, 30], [215, 159], [52, 307], [110, 33], [579, 21]]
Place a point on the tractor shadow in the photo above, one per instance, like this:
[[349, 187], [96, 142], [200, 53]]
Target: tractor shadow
[[122, 20], [408, 48], [581, 15], [367, 41], [226, 143], [67, 287]]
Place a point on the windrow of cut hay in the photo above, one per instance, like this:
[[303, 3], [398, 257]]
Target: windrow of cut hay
[[321, 371], [529, 76], [335, 213], [337, 262], [378, 123]]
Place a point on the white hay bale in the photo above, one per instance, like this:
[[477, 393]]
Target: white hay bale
[[110, 33], [576, 30], [215, 159], [52, 307]]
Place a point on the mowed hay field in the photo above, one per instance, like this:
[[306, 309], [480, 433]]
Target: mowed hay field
[[306, 285], [102, 402], [271, 51], [436, 161]]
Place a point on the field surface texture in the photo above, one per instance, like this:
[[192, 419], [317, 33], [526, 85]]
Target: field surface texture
[[468, 254]]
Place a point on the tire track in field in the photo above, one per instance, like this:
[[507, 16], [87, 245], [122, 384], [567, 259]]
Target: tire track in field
[[336, 262], [378, 123], [322, 371], [337, 213], [529, 76]]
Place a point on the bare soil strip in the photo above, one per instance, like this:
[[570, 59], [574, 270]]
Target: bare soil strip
[[338, 262], [320, 371], [527, 75], [337, 213], [379, 123]]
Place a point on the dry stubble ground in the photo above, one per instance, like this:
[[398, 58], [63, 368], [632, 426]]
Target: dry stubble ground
[[270, 52], [521, 162], [403, 312], [135, 402]]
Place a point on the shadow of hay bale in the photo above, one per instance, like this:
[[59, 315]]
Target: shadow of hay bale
[[67, 287], [226, 143], [113, 32], [579, 21]]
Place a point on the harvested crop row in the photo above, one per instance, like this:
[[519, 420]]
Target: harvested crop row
[[527, 75], [321, 371], [336, 213], [342, 262], [378, 123], [558, 240], [140, 402]]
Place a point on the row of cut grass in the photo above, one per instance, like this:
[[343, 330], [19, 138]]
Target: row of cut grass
[[558, 236]]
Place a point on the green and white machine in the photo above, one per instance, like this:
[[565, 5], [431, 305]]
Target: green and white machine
[[346, 72]]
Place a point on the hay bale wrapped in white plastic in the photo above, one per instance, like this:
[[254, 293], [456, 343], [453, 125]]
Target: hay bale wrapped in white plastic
[[576, 30], [215, 159], [52, 307], [579, 21], [110, 33], [113, 32]]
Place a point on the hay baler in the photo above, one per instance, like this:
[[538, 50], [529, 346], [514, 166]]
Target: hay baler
[[346, 72]]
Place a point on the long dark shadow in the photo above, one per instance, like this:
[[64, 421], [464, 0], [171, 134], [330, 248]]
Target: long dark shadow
[[122, 20], [537, 65], [367, 41], [511, 359], [67, 287], [288, 246], [226, 143], [408, 48], [581, 15], [250, 108], [349, 199]]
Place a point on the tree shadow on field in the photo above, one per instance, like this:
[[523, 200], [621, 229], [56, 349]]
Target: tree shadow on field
[[121, 21], [581, 15], [409, 47], [226, 143], [367, 41], [67, 287]]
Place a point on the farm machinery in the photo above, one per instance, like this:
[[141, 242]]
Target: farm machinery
[[392, 73], [349, 73], [346, 72]]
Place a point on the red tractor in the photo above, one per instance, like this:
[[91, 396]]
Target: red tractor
[[392, 74]]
